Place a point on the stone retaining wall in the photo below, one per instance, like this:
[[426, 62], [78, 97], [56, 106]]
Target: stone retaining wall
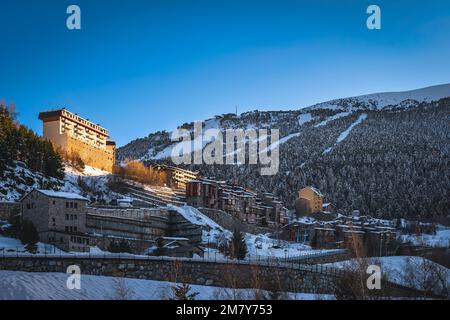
[[287, 278]]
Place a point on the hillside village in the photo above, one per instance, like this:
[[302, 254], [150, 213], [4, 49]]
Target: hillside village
[[151, 208]]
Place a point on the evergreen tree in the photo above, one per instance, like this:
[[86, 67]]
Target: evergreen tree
[[18, 143], [124, 246], [159, 247], [238, 247], [29, 235], [183, 292]]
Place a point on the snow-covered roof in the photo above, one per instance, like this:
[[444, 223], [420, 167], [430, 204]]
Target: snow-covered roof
[[316, 191], [61, 194], [174, 238]]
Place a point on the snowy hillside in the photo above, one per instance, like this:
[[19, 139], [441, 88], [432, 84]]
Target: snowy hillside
[[364, 153], [378, 101], [91, 182], [414, 272], [18, 179]]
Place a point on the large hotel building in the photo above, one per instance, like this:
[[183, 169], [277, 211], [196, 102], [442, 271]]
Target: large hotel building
[[72, 134]]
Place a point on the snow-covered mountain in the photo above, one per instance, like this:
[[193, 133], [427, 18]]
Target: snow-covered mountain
[[377, 101], [385, 154]]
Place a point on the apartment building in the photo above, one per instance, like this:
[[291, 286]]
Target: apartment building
[[74, 135], [264, 209], [310, 201]]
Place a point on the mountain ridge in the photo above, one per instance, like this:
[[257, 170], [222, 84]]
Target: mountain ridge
[[385, 161]]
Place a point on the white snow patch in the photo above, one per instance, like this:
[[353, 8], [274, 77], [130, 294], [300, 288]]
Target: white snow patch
[[440, 240], [332, 118], [394, 268], [18, 285], [345, 133], [304, 118]]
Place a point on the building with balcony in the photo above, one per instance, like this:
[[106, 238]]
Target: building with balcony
[[71, 134]]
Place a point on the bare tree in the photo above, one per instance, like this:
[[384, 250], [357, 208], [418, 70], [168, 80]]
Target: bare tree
[[121, 290], [427, 276]]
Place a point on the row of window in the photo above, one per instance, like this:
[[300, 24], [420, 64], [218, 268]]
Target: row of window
[[71, 217], [71, 229], [79, 240], [31, 206], [72, 205], [53, 239]]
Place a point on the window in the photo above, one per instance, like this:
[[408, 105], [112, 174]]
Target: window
[[28, 206], [67, 217], [75, 229], [76, 205], [75, 217], [71, 204], [66, 229], [67, 204], [54, 202]]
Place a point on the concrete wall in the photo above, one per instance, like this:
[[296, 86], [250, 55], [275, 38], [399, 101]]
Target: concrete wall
[[230, 222], [143, 223]]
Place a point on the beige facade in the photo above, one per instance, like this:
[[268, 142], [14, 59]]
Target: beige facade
[[72, 134], [179, 176], [309, 201]]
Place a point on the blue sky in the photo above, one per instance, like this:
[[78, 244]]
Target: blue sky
[[141, 66]]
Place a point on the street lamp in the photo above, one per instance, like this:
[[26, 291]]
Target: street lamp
[[285, 255]]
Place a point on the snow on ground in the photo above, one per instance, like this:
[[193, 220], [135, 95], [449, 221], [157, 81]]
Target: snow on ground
[[264, 246], [281, 141], [187, 147], [347, 131], [210, 227], [12, 245], [94, 179], [257, 245], [440, 240], [13, 186], [332, 118], [397, 269], [53, 286], [385, 99], [19, 180], [304, 118]]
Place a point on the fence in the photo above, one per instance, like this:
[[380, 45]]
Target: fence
[[49, 252]]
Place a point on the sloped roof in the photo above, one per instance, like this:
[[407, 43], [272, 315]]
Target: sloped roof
[[61, 194]]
